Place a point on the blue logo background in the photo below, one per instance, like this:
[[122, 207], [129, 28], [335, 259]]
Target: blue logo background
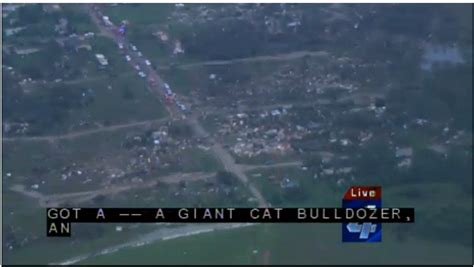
[[361, 232]]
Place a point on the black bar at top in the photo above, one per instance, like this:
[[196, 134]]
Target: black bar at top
[[230, 215]]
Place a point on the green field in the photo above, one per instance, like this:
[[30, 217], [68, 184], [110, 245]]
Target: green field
[[28, 221], [287, 244], [446, 221], [139, 14], [313, 244], [144, 20], [107, 101], [86, 93]]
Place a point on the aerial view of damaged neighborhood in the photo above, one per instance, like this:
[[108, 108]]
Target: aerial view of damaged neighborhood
[[236, 105]]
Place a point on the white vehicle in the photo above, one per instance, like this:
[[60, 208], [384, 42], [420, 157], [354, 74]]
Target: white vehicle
[[147, 62], [137, 67], [141, 74], [120, 45], [127, 57], [134, 48], [167, 86], [139, 54]]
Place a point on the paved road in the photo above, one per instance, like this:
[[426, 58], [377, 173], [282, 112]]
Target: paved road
[[296, 163], [279, 57], [228, 161], [80, 197], [217, 149], [136, 60], [36, 84], [72, 135], [245, 108]]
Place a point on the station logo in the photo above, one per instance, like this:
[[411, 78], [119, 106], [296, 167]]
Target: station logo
[[362, 197]]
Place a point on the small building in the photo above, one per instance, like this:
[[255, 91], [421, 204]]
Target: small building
[[106, 21], [293, 24], [62, 26], [87, 47], [178, 49], [11, 7], [405, 163], [26, 51], [329, 171], [102, 60], [50, 8], [404, 152], [162, 35], [275, 112], [344, 170], [288, 183], [13, 31], [89, 35]]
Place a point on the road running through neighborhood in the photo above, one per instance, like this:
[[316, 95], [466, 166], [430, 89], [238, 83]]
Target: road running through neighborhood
[[158, 86]]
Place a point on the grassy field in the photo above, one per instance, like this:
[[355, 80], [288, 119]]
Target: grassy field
[[139, 14], [127, 100], [312, 244], [34, 162], [266, 158], [236, 76], [109, 95], [144, 19], [26, 161], [28, 220], [101, 150], [195, 159], [107, 101], [445, 221], [40, 33]]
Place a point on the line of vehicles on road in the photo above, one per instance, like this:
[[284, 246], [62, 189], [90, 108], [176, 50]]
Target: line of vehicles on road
[[170, 97]]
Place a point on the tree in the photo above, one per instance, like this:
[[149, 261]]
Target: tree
[[128, 94], [377, 162], [99, 200], [313, 161], [228, 39], [296, 194], [30, 13], [225, 178], [180, 129]]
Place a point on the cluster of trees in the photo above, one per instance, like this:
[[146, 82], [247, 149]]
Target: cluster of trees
[[226, 178], [31, 14], [39, 65], [445, 95], [43, 110], [225, 40], [377, 163], [180, 130]]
